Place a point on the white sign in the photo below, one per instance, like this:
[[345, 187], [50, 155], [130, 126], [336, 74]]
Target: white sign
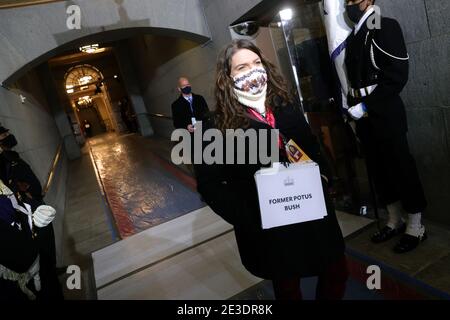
[[290, 195]]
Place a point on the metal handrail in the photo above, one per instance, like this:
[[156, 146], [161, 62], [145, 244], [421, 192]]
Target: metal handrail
[[51, 174], [159, 115]]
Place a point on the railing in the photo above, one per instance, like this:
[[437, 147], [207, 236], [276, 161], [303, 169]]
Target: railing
[[159, 115], [52, 170]]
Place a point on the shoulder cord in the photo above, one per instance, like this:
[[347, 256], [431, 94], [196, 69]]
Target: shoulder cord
[[23, 278], [372, 55]]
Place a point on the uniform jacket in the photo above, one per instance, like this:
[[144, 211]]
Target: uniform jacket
[[181, 111], [20, 178], [230, 190], [379, 56]]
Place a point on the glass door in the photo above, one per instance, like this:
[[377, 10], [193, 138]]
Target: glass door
[[299, 39]]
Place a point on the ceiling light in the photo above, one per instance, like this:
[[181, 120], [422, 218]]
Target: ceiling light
[[286, 14], [92, 48]]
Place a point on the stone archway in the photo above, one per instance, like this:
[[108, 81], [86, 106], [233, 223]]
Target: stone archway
[[32, 35]]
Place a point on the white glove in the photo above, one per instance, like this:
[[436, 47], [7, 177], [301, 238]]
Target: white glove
[[358, 111], [43, 216]]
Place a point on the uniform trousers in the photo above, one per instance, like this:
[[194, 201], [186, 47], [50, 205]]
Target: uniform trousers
[[393, 169]]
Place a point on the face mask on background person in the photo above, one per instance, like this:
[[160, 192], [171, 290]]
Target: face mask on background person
[[186, 90], [252, 81], [353, 12]]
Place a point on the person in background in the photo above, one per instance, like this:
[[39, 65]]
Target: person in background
[[250, 94], [87, 128], [188, 108], [377, 68]]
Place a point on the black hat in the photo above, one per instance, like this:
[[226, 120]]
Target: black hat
[[3, 130]]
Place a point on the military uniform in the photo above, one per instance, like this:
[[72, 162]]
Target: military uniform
[[19, 177], [377, 68]]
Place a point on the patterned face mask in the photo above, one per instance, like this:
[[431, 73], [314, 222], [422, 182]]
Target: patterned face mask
[[252, 81]]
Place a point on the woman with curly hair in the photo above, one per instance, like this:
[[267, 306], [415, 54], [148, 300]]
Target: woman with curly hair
[[251, 94]]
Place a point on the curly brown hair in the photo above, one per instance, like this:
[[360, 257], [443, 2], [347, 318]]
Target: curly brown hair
[[230, 114]]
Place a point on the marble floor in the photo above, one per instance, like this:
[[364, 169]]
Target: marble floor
[[141, 191]]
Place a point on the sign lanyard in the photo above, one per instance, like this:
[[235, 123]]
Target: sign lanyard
[[293, 151], [270, 120]]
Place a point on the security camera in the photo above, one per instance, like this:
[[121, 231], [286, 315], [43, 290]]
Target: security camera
[[247, 29]]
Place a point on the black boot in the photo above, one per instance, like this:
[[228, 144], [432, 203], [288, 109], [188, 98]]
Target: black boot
[[387, 233], [408, 242]]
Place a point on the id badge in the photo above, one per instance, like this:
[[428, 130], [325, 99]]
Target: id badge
[[295, 153], [193, 121]]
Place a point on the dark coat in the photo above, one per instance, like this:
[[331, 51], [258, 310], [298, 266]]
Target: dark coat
[[20, 178], [387, 116], [296, 250], [181, 111], [18, 250]]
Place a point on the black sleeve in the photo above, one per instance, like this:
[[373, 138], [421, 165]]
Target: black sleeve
[[177, 117], [217, 191], [18, 250], [215, 188], [23, 173], [205, 109], [391, 57]]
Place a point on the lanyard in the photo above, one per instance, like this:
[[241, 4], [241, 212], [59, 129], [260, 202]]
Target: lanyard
[[270, 120], [290, 148]]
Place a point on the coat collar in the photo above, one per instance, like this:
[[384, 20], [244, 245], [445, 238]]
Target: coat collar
[[362, 22]]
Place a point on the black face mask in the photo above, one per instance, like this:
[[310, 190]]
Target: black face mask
[[9, 142], [186, 90], [353, 12]]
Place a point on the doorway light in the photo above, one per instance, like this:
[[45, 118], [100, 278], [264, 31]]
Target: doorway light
[[84, 80], [89, 48], [286, 14]]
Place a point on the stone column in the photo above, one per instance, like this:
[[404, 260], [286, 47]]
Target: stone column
[[132, 86], [62, 122]]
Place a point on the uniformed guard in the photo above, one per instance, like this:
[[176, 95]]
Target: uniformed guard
[[20, 267], [18, 176], [377, 67]]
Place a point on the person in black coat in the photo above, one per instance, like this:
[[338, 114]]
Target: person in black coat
[[188, 108], [377, 67], [282, 254], [20, 178]]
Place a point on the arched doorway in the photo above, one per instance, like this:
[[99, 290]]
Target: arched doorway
[[91, 105]]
